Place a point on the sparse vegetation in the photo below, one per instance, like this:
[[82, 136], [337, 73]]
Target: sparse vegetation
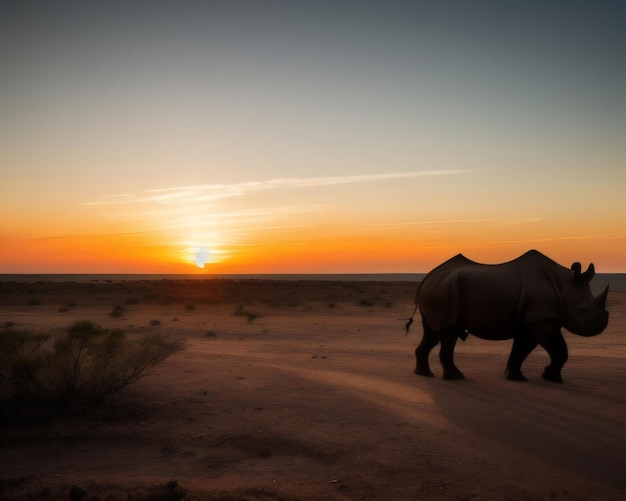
[[88, 363], [154, 323], [117, 312], [240, 312]]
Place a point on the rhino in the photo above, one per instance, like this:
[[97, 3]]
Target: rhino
[[528, 300]]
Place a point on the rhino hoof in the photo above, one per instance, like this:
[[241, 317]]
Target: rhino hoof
[[515, 376], [552, 376], [453, 374], [424, 373]]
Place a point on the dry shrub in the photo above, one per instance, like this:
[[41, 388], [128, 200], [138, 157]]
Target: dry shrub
[[88, 363], [240, 312], [117, 312]]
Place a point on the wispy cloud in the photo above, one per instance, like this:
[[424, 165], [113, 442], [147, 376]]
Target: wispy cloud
[[194, 218], [211, 192], [429, 222], [526, 220], [569, 237], [599, 236], [435, 222], [248, 218]]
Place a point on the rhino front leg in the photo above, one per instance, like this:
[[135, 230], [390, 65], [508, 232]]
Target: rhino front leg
[[523, 343], [557, 349]]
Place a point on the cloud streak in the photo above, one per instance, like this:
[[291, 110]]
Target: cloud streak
[[212, 192], [435, 222], [558, 238]]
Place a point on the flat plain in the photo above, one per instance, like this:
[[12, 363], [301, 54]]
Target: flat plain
[[305, 389]]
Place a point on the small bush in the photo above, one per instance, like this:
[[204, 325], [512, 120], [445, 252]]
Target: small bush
[[87, 364], [240, 312], [34, 301], [117, 312], [20, 360], [154, 323]]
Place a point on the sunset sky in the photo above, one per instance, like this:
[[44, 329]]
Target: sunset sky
[[310, 136]]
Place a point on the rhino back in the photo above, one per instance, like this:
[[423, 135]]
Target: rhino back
[[491, 301], [483, 298]]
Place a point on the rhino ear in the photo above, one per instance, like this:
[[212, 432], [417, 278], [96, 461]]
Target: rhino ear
[[576, 267], [588, 275]]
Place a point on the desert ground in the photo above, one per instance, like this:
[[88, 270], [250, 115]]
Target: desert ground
[[305, 390]]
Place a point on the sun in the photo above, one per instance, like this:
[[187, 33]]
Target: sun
[[204, 255], [198, 252]]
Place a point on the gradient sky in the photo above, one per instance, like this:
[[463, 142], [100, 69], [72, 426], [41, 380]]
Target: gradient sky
[[320, 136]]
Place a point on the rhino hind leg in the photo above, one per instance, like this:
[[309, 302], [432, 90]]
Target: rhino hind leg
[[429, 341], [446, 353]]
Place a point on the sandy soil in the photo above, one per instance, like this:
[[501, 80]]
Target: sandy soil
[[308, 392]]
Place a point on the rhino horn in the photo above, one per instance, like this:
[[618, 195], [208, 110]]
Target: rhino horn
[[600, 300]]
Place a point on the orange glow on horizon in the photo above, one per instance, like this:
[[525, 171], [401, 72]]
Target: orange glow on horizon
[[89, 254], [409, 252]]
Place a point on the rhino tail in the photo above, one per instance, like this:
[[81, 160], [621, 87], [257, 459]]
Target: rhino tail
[[410, 321]]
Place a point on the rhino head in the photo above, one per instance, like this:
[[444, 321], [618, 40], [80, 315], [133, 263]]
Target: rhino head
[[586, 315]]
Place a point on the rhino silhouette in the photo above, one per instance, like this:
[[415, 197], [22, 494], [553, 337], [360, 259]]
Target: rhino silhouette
[[528, 300]]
